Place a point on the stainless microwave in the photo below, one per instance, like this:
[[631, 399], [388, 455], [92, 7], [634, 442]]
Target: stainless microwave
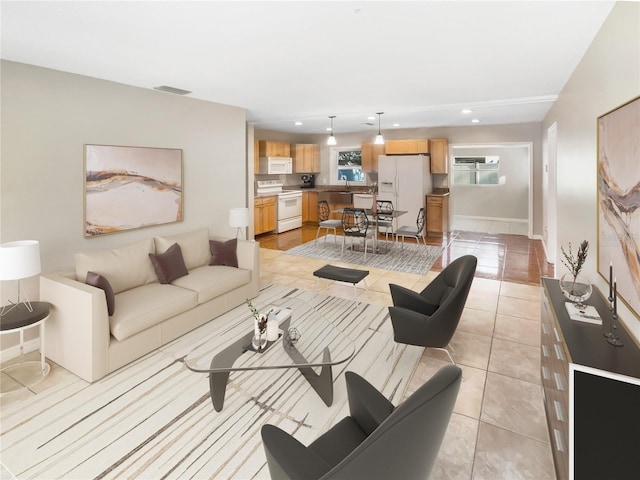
[[276, 165]]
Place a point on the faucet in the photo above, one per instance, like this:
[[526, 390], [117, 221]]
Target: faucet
[[346, 183]]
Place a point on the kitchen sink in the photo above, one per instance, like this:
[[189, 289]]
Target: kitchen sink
[[340, 197]]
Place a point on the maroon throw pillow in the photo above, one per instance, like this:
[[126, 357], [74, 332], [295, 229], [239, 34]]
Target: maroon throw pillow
[[224, 253], [169, 265], [97, 280]]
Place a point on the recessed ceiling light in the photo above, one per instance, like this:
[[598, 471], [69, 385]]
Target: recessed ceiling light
[[177, 91], [467, 110], [475, 120], [297, 123], [396, 124], [328, 129], [371, 118]]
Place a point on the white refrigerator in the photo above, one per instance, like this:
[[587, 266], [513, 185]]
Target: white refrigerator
[[405, 180]]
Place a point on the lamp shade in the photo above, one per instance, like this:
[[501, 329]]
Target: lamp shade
[[19, 259], [239, 217]]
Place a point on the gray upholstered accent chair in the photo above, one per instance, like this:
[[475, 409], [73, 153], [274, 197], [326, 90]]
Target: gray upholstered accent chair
[[325, 222], [430, 318], [377, 441]]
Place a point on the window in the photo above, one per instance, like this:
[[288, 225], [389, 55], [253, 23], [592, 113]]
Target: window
[[346, 163], [476, 170]]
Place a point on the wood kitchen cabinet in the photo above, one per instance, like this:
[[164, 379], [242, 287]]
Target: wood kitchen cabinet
[[269, 148], [407, 147], [306, 157], [370, 154], [264, 214], [309, 207], [439, 152], [437, 214]]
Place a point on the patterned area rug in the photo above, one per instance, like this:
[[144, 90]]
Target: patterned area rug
[[412, 258], [154, 419]]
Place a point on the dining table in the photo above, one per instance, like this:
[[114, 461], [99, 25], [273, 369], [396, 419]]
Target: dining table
[[376, 214]]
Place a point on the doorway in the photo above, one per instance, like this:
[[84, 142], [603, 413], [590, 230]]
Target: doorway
[[549, 195], [501, 204]]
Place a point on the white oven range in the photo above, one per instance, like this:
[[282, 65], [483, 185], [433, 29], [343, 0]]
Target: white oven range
[[289, 210], [288, 205]]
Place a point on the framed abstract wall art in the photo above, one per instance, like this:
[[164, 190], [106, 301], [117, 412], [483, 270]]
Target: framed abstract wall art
[[619, 200], [130, 187]]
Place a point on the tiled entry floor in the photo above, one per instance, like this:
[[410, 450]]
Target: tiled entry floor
[[498, 428]]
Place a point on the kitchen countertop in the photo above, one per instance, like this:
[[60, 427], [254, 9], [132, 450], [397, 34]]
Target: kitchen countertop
[[439, 192]]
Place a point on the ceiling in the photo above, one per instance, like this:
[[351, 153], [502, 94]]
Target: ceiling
[[419, 62]]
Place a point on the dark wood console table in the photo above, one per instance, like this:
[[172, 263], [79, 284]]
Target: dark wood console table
[[591, 391]]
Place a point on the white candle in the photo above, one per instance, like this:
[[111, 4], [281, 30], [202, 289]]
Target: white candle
[[273, 327]]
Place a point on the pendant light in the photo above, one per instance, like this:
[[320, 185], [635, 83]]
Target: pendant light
[[331, 140], [379, 139]]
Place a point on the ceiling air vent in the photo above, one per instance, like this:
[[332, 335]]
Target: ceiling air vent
[[177, 91]]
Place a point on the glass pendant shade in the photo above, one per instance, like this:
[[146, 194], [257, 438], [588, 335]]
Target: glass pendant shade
[[332, 140], [379, 139]]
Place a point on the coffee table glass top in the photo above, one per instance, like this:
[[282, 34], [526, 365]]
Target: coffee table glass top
[[320, 342]]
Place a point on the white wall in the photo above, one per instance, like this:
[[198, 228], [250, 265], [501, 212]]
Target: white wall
[[47, 117], [509, 200], [607, 77]]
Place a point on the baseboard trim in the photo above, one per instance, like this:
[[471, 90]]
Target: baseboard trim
[[10, 353], [493, 219]]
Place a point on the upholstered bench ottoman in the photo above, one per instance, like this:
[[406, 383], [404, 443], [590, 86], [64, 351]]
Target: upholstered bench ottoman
[[341, 274]]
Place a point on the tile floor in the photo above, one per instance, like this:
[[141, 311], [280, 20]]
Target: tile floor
[[498, 429]]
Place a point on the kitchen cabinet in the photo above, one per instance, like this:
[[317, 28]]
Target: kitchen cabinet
[[370, 154], [437, 214], [439, 152], [264, 214], [591, 390], [269, 148], [309, 207], [306, 157], [407, 147]]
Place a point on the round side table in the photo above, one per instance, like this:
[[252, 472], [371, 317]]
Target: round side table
[[18, 319]]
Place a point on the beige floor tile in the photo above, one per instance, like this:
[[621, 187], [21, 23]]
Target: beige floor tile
[[517, 307], [470, 349], [518, 330], [518, 290], [481, 300], [515, 405], [455, 459], [501, 454], [515, 360], [480, 322], [407, 280]]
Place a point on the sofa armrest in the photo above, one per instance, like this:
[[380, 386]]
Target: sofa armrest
[[77, 331], [248, 252]]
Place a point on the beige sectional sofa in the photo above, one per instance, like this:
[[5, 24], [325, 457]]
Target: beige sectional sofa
[[84, 339]]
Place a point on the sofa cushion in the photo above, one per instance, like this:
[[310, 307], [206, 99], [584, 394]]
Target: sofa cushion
[[194, 245], [125, 267], [169, 265], [101, 282], [148, 305], [211, 282], [224, 253]]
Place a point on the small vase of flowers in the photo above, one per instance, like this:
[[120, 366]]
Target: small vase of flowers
[[574, 284], [259, 340]]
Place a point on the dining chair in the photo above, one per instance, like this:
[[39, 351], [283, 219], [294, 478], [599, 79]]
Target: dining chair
[[325, 222], [416, 232], [355, 224], [385, 221]]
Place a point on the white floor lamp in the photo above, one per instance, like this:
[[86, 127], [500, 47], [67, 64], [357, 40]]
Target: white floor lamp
[[239, 218], [19, 260]]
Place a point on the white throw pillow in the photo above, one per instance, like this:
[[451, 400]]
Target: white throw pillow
[[125, 267]]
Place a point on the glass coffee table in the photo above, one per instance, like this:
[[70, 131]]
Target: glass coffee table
[[306, 341]]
